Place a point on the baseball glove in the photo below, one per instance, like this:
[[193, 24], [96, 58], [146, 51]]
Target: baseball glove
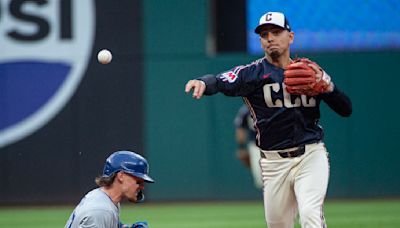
[[304, 76]]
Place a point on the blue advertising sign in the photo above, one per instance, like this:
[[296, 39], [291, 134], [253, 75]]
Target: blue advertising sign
[[332, 25]]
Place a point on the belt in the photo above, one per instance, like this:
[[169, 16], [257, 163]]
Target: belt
[[287, 154]]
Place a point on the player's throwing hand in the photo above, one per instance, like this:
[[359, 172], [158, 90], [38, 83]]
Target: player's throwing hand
[[198, 87]]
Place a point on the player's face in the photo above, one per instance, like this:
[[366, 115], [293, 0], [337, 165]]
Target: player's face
[[275, 41], [131, 186]]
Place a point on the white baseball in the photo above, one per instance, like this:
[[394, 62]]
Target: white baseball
[[104, 56]]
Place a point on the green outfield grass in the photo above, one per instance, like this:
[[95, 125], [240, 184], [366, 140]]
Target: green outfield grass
[[340, 214]]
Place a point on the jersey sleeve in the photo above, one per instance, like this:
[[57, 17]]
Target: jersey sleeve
[[338, 102], [239, 81]]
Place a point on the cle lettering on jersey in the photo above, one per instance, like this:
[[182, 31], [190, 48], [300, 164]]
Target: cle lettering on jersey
[[272, 100]]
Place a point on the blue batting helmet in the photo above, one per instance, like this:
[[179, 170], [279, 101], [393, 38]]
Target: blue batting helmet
[[128, 162]]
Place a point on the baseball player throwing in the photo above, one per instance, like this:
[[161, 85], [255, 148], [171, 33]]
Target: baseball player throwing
[[283, 96], [123, 177]]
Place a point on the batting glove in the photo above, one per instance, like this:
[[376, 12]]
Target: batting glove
[[142, 224]]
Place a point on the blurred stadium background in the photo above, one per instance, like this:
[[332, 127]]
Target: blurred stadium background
[[62, 113]]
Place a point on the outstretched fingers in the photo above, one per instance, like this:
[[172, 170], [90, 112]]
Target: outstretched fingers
[[198, 87]]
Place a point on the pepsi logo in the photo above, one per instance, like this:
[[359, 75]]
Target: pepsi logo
[[45, 50]]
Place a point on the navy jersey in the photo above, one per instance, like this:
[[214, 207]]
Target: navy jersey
[[281, 120], [244, 120]]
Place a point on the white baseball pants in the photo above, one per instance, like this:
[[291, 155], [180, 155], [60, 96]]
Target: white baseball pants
[[295, 185]]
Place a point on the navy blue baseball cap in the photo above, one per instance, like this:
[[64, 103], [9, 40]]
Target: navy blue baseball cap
[[128, 162], [273, 18]]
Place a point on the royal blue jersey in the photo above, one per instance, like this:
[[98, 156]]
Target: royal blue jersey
[[281, 120]]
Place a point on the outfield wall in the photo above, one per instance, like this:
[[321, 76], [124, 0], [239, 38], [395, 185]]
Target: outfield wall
[[138, 103]]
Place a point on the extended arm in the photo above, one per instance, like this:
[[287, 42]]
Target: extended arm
[[239, 81]]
